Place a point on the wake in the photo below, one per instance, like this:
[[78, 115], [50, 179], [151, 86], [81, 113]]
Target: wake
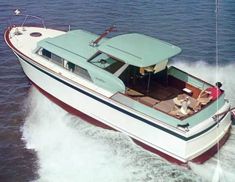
[[69, 149]]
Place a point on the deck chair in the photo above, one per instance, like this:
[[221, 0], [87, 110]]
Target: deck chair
[[201, 101], [177, 112]]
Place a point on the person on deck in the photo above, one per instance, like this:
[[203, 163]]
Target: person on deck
[[207, 95], [214, 92]]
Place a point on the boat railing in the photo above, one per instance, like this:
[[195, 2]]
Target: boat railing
[[26, 17], [32, 16], [188, 78]]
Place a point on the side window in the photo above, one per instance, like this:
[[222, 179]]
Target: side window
[[70, 66], [46, 53], [64, 63], [56, 59], [82, 72], [50, 56]]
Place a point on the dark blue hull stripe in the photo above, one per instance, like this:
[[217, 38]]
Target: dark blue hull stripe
[[122, 110]]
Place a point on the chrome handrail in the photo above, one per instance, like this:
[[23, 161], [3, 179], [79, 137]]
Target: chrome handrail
[[27, 16], [18, 13]]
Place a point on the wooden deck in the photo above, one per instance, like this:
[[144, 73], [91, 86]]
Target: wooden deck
[[159, 90], [160, 95]]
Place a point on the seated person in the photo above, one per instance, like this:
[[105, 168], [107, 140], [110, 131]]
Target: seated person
[[184, 108], [212, 93]]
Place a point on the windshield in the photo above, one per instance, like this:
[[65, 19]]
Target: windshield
[[106, 62]]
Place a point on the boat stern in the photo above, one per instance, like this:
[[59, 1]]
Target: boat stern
[[210, 135]]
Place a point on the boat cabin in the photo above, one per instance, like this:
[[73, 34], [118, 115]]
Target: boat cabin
[[132, 67]]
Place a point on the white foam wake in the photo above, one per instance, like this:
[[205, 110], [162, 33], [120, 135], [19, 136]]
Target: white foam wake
[[69, 149], [65, 152]]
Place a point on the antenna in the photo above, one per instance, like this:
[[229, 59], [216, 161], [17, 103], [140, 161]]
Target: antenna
[[104, 34], [218, 171], [216, 42], [216, 34]]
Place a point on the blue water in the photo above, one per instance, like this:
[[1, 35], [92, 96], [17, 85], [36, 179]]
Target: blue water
[[39, 156]]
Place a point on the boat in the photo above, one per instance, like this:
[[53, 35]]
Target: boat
[[125, 83]]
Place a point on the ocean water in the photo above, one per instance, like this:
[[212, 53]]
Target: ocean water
[[41, 142]]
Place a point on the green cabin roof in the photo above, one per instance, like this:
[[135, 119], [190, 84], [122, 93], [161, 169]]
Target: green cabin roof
[[139, 50], [134, 49], [73, 45]]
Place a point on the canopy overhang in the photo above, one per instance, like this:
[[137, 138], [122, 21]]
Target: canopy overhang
[[139, 50]]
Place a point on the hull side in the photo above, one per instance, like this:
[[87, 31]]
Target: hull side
[[72, 110], [95, 122], [119, 121], [199, 159], [213, 150]]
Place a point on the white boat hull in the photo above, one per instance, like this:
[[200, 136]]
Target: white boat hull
[[175, 144], [165, 142]]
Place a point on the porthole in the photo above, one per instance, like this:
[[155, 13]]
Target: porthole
[[35, 34]]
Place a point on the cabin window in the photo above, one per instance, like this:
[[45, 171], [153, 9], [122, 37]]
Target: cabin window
[[50, 56], [64, 63], [82, 72], [56, 59], [46, 53], [70, 66]]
